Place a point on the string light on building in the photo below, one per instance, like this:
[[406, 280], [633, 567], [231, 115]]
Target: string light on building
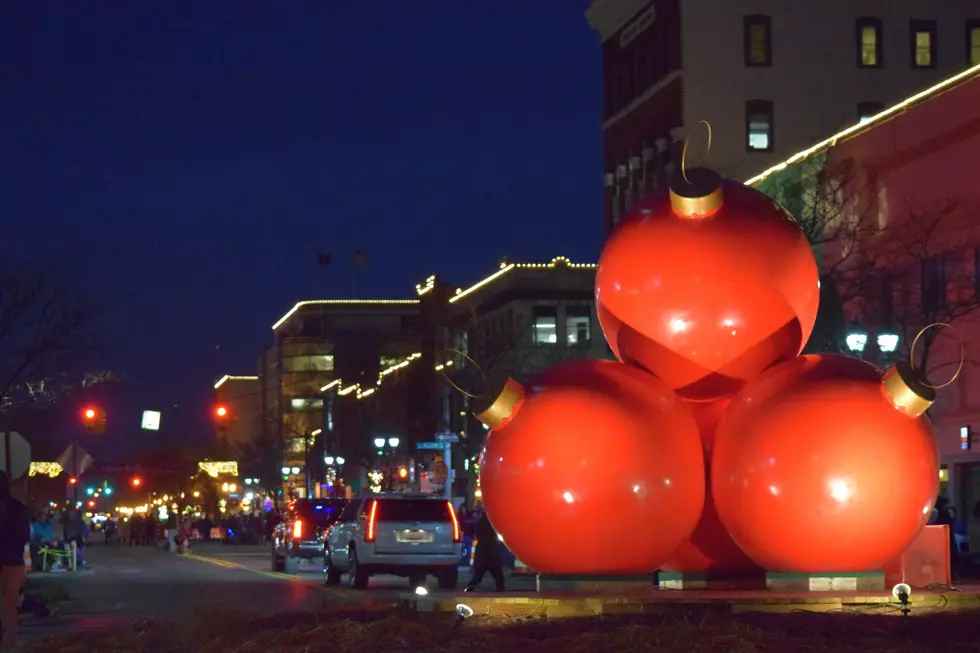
[[52, 470], [217, 468]]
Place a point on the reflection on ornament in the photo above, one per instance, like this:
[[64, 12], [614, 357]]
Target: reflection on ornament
[[824, 465], [683, 292], [595, 440]]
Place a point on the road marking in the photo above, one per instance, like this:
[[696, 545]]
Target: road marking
[[233, 565]]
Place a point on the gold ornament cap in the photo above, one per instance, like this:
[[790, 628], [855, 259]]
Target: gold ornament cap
[[908, 389], [504, 407], [696, 193]]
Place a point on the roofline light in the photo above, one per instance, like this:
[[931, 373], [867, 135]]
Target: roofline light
[[863, 126], [558, 261], [341, 302], [229, 377]]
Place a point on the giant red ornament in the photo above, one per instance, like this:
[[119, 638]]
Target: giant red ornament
[[706, 286], [825, 465], [710, 550], [596, 468]]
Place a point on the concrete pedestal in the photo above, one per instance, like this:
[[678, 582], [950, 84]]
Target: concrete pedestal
[[707, 581], [595, 584], [873, 581]]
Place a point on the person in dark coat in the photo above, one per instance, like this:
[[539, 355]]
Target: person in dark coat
[[15, 534], [487, 557]]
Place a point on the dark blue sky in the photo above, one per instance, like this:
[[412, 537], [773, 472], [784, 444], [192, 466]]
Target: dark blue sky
[[188, 159]]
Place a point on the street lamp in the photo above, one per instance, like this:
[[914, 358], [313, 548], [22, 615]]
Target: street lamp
[[393, 442], [885, 341], [856, 340], [379, 442]]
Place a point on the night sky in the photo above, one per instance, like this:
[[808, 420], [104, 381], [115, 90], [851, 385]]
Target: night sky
[[188, 159]]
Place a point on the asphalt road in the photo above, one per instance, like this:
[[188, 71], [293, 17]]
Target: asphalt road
[[128, 584]]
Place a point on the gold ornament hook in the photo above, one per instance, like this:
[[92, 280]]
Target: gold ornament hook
[[959, 367], [486, 380], [687, 139]]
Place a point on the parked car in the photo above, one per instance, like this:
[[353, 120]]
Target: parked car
[[300, 534], [410, 535]]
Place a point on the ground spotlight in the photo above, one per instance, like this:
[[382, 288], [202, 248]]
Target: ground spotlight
[[463, 612], [902, 592]]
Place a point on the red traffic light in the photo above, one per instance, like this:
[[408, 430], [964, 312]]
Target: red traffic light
[[402, 472], [90, 414], [221, 411], [91, 504], [72, 481], [136, 481]]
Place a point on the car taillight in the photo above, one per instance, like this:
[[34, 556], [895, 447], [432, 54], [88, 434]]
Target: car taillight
[[372, 516], [457, 536], [297, 530]]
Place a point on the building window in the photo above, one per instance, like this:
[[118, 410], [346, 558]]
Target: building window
[[320, 363], [759, 125], [578, 325], [973, 42], [545, 325], [303, 404], [869, 42], [923, 34], [934, 280], [758, 40], [868, 109]]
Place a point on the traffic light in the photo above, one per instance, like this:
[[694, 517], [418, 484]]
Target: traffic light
[[221, 411], [72, 481], [221, 416], [91, 504], [94, 419], [90, 491], [136, 481], [402, 472]]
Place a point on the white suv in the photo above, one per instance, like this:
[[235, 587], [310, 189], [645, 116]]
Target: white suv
[[411, 535]]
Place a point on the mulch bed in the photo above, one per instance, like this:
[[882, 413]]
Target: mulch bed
[[381, 629]]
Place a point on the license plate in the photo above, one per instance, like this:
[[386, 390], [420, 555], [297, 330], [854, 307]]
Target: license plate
[[414, 536]]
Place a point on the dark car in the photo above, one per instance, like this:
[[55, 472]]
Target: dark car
[[300, 535]]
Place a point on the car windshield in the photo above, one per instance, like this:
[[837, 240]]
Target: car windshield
[[322, 512], [413, 510]]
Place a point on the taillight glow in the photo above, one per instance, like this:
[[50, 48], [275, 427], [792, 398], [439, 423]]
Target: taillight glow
[[372, 517], [297, 530], [452, 515]]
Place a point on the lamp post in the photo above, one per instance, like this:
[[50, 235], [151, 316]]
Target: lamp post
[[392, 443], [872, 345]]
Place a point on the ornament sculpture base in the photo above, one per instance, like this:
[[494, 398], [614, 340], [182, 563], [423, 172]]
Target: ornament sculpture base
[[707, 581], [871, 581], [595, 584]]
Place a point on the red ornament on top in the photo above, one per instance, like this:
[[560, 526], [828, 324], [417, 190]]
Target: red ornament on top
[[595, 469], [824, 465], [706, 286]]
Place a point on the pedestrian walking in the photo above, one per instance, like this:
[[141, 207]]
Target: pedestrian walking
[[15, 533], [488, 556]]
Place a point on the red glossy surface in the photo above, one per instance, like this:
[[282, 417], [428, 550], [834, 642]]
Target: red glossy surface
[[815, 471], [707, 303], [600, 472], [710, 549]]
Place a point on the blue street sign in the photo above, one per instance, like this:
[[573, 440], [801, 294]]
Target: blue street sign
[[430, 445]]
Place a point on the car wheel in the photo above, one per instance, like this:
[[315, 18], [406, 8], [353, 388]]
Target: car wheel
[[448, 578], [416, 580], [277, 562], [331, 575], [358, 576]]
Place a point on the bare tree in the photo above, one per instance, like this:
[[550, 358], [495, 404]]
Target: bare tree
[[43, 336]]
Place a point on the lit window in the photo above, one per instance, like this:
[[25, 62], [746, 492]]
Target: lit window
[[758, 41], [868, 109], [321, 363], [973, 42], [545, 326], [306, 403], [869, 42], [578, 325], [923, 43], [759, 129]]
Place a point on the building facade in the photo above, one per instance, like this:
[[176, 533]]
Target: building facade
[[323, 350], [770, 77], [236, 430], [913, 185]]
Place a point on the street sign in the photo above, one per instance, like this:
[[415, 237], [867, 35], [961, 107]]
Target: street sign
[[19, 451], [447, 437], [75, 460], [430, 445]]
